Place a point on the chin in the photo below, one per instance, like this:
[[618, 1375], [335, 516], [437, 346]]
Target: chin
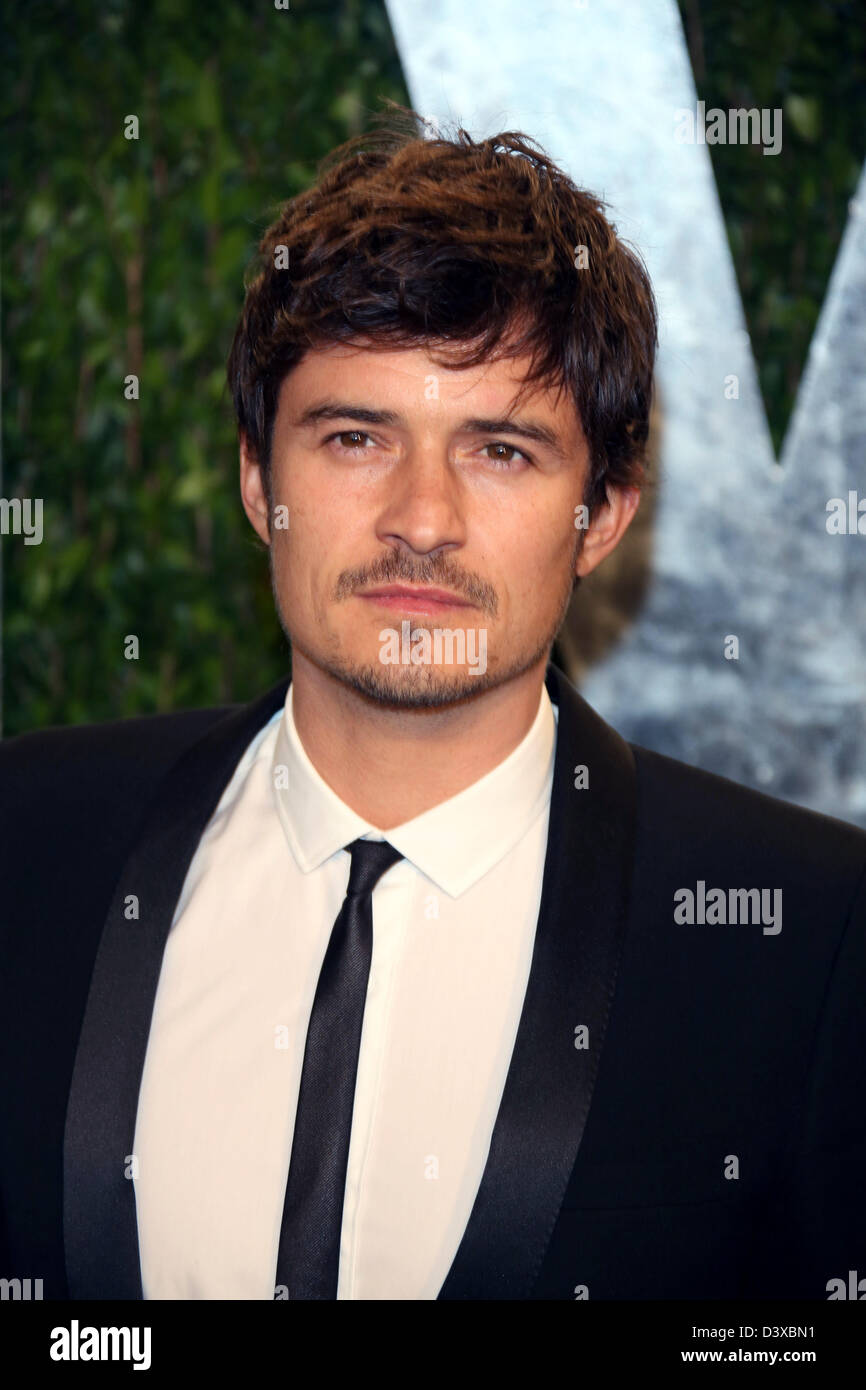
[[411, 687]]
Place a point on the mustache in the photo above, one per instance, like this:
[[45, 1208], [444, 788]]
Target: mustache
[[395, 569]]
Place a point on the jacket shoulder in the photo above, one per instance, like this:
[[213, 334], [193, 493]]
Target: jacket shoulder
[[88, 764], [700, 809]]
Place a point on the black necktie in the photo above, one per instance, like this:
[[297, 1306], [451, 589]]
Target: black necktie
[[308, 1261]]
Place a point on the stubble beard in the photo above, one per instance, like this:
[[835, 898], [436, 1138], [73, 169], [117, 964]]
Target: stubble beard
[[429, 686]]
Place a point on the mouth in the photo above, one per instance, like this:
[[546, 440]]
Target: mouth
[[406, 599]]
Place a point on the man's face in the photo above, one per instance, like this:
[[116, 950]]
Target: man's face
[[391, 473]]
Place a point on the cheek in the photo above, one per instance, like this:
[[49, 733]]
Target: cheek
[[542, 572], [322, 543], [302, 537]]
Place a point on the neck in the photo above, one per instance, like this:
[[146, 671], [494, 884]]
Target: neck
[[390, 765]]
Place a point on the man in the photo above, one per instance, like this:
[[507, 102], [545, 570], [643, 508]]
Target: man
[[412, 979]]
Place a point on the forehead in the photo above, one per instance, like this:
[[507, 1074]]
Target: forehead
[[410, 382]]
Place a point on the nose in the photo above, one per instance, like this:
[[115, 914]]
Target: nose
[[423, 513]]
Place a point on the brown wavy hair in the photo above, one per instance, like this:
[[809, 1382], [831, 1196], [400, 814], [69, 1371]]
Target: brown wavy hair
[[468, 249]]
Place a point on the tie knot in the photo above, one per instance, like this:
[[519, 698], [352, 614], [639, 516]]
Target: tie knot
[[370, 860]]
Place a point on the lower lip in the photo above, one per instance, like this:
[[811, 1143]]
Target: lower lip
[[404, 604]]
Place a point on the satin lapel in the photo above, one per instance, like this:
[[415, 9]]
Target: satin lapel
[[548, 1089], [100, 1228]]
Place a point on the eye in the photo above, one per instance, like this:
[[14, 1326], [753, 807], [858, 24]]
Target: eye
[[355, 436], [511, 450]]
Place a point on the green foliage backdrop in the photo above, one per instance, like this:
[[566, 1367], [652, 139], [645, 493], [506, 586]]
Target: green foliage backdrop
[[124, 256], [784, 213]]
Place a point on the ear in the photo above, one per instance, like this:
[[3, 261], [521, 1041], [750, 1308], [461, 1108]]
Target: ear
[[608, 524], [253, 491]]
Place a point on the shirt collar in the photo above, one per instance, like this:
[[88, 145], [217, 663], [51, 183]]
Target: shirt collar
[[453, 844]]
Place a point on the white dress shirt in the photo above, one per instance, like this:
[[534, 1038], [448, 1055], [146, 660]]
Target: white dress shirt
[[453, 930]]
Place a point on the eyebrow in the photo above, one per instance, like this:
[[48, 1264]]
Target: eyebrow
[[348, 410]]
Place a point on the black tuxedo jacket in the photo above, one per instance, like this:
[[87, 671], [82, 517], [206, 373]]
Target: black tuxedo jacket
[[707, 1141]]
